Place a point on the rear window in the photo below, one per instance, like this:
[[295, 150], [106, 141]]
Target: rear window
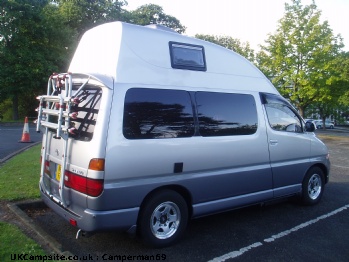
[[84, 113], [157, 113]]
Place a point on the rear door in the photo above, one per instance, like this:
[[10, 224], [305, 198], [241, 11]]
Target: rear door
[[79, 144]]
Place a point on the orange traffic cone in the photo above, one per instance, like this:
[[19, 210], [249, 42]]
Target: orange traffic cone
[[25, 135]]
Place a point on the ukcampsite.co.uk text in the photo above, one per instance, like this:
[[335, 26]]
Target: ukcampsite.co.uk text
[[104, 257]]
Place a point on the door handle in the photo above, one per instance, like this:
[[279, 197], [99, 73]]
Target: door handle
[[273, 142]]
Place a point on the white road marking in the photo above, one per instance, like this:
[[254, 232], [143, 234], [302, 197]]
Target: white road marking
[[241, 251], [339, 166], [236, 253]]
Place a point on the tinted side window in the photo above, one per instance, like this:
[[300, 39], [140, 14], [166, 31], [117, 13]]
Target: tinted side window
[[222, 114], [281, 116], [157, 113]]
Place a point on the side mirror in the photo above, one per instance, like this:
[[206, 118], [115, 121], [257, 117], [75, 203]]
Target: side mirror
[[309, 127]]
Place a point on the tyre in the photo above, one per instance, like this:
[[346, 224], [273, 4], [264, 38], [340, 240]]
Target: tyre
[[163, 219], [313, 186]]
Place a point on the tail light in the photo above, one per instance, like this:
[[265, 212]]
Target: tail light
[[88, 186], [47, 168]]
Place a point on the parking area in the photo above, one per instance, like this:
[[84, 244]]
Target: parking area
[[10, 134], [283, 231]]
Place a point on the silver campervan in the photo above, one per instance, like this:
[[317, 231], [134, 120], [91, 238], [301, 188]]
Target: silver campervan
[[151, 128]]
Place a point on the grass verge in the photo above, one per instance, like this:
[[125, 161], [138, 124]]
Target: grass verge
[[19, 180], [14, 244], [19, 176]]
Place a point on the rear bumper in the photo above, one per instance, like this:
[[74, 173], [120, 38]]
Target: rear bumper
[[92, 220]]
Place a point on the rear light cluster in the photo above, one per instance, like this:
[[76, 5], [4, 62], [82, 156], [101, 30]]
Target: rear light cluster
[[47, 168], [88, 186]]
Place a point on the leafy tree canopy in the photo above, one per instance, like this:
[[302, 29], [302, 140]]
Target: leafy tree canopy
[[154, 14], [82, 15], [31, 46], [343, 68], [299, 57]]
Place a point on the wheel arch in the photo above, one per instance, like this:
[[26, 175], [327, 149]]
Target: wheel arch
[[324, 170], [184, 192]]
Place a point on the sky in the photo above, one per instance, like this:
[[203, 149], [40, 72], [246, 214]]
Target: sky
[[248, 20]]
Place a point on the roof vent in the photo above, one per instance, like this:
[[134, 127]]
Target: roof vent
[[161, 27]]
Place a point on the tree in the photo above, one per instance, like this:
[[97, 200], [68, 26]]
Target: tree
[[154, 14], [337, 89], [243, 49], [82, 15], [32, 44], [343, 67], [299, 57]]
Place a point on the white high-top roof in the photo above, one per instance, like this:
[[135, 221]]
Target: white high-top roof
[[139, 54]]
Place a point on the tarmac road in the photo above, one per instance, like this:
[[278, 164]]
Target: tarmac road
[[283, 231], [10, 134]]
